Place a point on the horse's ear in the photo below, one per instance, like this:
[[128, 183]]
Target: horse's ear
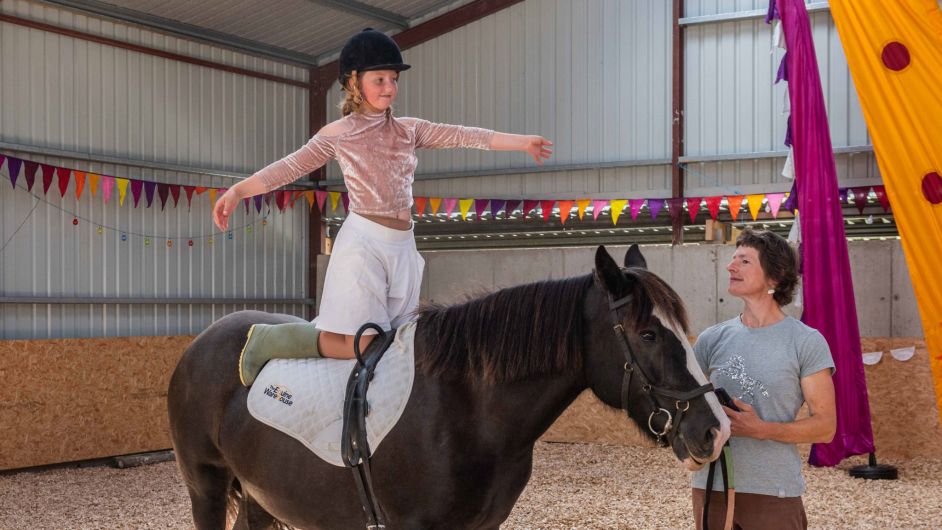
[[633, 258], [607, 270]]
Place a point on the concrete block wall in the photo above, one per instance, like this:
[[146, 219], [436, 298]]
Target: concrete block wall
[[886, 305]]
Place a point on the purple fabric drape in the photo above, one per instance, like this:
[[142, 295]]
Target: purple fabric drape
[[828, 290]]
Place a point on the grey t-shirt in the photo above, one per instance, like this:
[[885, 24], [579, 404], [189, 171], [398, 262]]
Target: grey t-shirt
[[763, 367]]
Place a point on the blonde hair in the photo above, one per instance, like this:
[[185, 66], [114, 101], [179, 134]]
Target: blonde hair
[[352, 97]]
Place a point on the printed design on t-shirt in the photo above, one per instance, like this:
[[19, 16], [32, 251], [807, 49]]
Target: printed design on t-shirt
[[735, 369]]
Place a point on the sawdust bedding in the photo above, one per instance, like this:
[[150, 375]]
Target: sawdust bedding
[[591, 486]]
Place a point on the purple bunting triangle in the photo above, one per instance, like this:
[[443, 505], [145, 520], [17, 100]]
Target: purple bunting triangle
[[149, 188], [792, 201], [246, 201], [788, 133], [654, 206], [13, 167], [782, 74], [31, 168], [163, 191], [496, 205], [258, 203], [48, 172], [772, 13], [480, 206], [842, 195], [136, 187]]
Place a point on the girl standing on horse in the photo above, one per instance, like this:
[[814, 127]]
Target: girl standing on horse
[[375, 271]]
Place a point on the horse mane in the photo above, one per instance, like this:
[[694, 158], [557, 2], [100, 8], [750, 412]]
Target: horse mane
[[526, 331]]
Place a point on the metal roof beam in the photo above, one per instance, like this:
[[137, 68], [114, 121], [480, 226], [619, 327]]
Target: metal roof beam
[[366, 11], [176, 27]]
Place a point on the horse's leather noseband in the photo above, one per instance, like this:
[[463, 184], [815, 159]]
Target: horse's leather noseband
[[681, 399]]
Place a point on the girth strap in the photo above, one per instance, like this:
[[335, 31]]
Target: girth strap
[[355, 447]]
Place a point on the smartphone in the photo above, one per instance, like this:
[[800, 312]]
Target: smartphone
[[724, 398]]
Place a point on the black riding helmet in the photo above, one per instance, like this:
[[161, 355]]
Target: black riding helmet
[[369, 50]]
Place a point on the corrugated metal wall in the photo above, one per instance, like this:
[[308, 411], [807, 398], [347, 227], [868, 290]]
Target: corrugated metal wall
[[68, 94], [732, 108], [593, 76]]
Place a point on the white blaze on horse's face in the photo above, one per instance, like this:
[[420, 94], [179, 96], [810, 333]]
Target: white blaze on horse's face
[[694, 368]]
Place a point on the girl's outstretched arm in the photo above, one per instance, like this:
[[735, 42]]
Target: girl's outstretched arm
[[536, 146]]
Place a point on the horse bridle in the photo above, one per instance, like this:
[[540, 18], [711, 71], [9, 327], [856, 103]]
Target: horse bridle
[[681, 399]]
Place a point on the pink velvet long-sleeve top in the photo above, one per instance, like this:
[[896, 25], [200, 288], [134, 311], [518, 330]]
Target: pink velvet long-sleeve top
[[376, 153]]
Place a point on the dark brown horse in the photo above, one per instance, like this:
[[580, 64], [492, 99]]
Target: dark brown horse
[[492, 375]]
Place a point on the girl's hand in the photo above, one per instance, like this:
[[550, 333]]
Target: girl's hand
[[224, 207], [538, 148]]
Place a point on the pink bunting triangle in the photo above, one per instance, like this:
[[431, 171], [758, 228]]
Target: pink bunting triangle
[[107, 186], [63, 174], [450, 204], [546, 207], [693, 207], [634, 205], [320, 196], [775, 203], [597, 207]]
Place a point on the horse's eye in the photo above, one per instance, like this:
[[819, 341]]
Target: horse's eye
[[648, 336]]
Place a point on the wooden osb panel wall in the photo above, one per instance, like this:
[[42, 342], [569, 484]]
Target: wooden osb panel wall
[[902, 406], [79, 399]]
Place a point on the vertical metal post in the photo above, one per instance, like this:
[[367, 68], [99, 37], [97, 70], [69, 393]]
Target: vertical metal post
[[677, 118], [317, 229]]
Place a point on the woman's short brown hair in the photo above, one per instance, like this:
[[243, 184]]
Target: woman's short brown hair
[[778, 260]]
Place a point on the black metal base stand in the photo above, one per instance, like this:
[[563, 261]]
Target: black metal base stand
[[874, 471]]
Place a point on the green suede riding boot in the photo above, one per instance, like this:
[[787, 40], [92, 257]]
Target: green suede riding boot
[[279, 341]]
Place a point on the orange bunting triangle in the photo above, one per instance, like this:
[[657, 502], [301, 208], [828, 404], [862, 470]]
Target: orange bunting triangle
[[79, 183], [212, 197], [583, 204], [434, 203], [309, 195], [565, 208], [93, 183], [734, 203]]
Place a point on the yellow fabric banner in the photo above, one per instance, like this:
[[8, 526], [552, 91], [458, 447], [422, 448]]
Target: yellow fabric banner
[[894, 50]]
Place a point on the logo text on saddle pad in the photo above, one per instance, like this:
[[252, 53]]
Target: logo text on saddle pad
[[280, 393]]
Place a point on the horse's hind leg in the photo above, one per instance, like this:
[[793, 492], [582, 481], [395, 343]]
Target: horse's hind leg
[[209, 495]]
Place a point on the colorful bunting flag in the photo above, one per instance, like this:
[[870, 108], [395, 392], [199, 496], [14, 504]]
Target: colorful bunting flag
[[108, 185], [189, 195], [734, 203], [755, 203], [258, 199], [345, 199], [175, 193], [860, 197], [635, 207], [434, 203], [583, 204], [465, 206], [565, 208], [713, 205], [450, 205], [675, 205], [321, 197], [149, 188], [309, 195], [881, 196], [617, 206], [528, 206], [93, 183], [79, 183], [775, 203], [13, 167], [654, 206], [546, 207], [163, 191], [693, 206], [334, 199], [420, 203], [212, 197], [281, 200], [480, 206], [136, 187], [62, 176], [512, 206], [597, 207], [31, 168], [496, 206], [48, 172]]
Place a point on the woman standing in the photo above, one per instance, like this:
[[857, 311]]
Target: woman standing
[[771, 364]]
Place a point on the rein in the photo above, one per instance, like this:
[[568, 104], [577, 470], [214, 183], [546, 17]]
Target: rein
[[681, 399]]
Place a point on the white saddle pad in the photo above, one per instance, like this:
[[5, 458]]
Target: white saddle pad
[[304, 397]]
